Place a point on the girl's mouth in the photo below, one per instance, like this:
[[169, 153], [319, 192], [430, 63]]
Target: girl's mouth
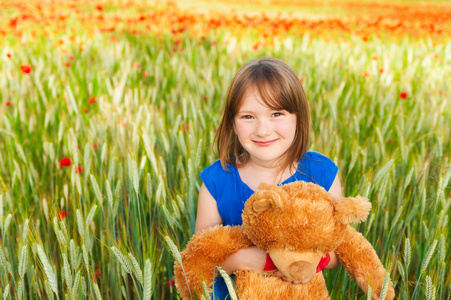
[[264, 143]]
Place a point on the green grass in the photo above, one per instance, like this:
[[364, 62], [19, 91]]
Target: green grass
[[154, 136]]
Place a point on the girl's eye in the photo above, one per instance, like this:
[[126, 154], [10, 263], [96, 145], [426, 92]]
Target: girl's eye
[[277, 114], [246, 117]]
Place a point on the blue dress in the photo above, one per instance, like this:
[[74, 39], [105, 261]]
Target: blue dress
[[230, 192]]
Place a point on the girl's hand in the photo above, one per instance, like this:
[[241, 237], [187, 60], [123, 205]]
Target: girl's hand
[[333, 261], [251, 258]]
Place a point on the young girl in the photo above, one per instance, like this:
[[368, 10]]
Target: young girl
[[263, 137]]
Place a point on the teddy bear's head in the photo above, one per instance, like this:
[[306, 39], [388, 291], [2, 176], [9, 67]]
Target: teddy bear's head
[[298, 223]]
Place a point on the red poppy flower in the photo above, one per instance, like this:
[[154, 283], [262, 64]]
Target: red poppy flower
[[403, 95], [26, 69], [85, 110], [381, 70], [71, 57], [256, 46], [78, 169], [170, 283], [95, 146], [144, 74], [8, 103], [62, 214], [8, 55], [65, 162], [13, 22], [67, 64], [98, 274], [97, 267], [99, 7], [92, 100], [301, 79]]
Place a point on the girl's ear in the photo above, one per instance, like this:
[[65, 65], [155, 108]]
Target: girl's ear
[[234, 127], [351, 210]]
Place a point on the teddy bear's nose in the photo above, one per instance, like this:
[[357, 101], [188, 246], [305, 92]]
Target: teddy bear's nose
[[301, 270]]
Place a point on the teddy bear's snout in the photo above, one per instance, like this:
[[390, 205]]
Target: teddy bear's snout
[[301, 270]]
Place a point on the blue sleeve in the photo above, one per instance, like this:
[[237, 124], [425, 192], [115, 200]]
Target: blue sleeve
[[210, 175], [322, 168]]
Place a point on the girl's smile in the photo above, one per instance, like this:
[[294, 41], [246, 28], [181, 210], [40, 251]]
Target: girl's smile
[[264, 143]]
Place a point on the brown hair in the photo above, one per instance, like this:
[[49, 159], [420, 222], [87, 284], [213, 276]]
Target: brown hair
[[280, 89]]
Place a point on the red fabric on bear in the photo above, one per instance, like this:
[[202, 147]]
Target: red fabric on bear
[[323, 263], [269, 265]]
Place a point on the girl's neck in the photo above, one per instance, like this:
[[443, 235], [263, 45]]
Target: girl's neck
[[253, 174]]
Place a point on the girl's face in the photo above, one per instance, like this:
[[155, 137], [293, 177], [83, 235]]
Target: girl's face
[[266, 134]]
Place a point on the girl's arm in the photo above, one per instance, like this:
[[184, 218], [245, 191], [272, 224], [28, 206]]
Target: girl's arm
[[207, 211], [250, 258]]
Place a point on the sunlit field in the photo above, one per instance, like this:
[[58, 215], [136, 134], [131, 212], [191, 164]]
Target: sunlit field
[[108, 111]]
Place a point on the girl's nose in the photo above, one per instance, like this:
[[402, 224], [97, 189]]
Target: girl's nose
[[262, 129]]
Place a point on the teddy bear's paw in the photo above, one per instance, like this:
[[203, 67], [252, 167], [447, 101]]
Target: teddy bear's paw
[[363, 284]]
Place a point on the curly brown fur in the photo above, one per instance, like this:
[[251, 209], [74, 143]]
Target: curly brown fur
[[290, 223], [249, 287], [361, 261], [297, 216], [203, 253]]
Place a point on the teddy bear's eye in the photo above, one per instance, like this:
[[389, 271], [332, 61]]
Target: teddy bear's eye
[[315, 249]]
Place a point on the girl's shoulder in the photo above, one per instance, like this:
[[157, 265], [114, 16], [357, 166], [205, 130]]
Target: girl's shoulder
[[318, 168], [216, 169], [313, 158], [215, 177]]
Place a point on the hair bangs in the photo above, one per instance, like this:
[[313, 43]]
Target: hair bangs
[[272, 92]]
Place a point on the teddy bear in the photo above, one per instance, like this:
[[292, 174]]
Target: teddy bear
[[296, 224]]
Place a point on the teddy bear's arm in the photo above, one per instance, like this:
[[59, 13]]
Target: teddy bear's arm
[[203, 253], [360, 260]]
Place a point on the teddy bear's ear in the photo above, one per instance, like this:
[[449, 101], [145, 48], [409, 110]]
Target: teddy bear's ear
[[352, 210], [267, 199]]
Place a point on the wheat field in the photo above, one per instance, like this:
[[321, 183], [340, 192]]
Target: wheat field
[[107, 116]]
